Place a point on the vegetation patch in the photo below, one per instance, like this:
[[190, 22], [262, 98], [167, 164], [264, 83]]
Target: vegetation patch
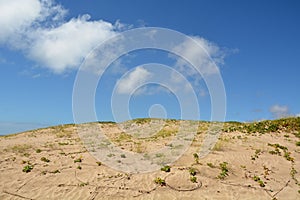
[[260, 182], [192, 171], [166, 168], [45, 159], [28, 168], [160, 181], [224, 170], [193, 179]]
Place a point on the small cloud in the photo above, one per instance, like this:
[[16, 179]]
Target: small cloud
[[279, 111], [133, 80], [298, 115], [202, 54]]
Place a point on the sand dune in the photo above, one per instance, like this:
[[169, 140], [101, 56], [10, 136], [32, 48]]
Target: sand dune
[[249, 161]]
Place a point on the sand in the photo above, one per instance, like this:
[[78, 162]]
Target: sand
[[62, 168]]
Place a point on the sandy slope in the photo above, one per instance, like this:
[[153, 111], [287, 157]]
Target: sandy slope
[[248, 157]]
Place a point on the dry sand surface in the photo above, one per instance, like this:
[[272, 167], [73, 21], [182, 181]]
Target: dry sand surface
[[245, 163]]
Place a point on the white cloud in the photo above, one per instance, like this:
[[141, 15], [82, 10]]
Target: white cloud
[[279, 111], [298, 115], [16, 15], [65, 46], [37, 27], [132, 81], [205, 56]]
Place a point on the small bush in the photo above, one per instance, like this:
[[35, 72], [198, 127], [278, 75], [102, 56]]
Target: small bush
[[83, 184], [224, 170], [298, 143], [192, 171], [166, 168], [160, 181], [196, 157], [78, 160], [288, 157], [27, 168], [261, 183], [99, 163], [45, 159], [256, 178], [193, 179], [79, 167], [38, 151]]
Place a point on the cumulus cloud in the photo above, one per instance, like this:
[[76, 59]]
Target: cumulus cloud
[[64, 46], [205, 56], [16, 15], [279, 111], [37, 28], [132, 81]]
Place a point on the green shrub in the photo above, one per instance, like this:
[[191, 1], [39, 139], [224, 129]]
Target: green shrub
[[166, 168], [160, 181], [78, 160], [224, 170], [298, 143], [256, 178], [196, 157], [192, 171], [261, 183], [193, 179], [27, 168]]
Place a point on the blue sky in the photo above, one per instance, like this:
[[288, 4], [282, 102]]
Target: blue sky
[[256, 42]]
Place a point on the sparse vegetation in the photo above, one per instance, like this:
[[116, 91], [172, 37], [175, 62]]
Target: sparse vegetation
[[123, 156], [123, 137], [166, 168], [45, 159], [79, 167], [298, 143], [211, 165], [192, 171], [196, 157], [193, 179], [278, 147], [99, 163], [55, 171], [110, 155], [257, 153], [78, 160], [142, 120], [19, 148], [291, 124], [224, 170], [28, 168], [260, 182], [38, 151], [63, 143], [83, 184], [160, 181]]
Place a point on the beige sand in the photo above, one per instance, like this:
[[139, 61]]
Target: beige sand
[[248, 157]]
